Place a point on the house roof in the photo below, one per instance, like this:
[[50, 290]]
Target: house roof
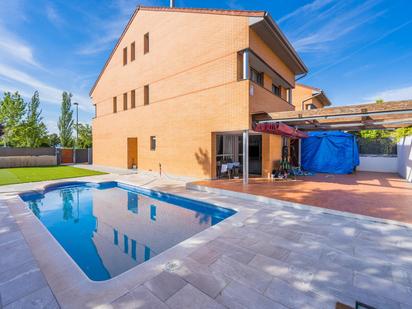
[[321, 96], [263, 15]]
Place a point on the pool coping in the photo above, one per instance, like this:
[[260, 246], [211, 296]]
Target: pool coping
[[71, 286]]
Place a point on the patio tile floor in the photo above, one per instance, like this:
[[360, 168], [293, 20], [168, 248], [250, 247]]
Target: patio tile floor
[[265, 256]]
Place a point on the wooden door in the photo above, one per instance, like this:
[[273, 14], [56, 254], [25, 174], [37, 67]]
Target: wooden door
[[132, 152]]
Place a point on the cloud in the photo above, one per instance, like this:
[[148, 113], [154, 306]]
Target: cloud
[[13, 48], [105, 32], [53, 16], [48, 93], [308, 8], [342, 19], [397, 94]]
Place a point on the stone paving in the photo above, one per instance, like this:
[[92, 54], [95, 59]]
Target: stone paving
[[265, 256]]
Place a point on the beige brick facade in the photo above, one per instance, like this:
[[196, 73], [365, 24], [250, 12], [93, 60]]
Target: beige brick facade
[[194, 91]]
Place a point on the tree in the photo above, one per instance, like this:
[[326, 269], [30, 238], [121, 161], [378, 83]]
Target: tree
[[85, 136], [35, 129], [65, 123], [53, 140], [12, 110]]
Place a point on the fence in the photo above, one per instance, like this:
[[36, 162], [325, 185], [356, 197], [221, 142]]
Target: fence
[[23, 157], [380, 146], [16, 152]]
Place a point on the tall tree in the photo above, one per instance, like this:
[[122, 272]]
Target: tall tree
[[85, 136], [65, 123], [53, 140], [12, 110], [35, 129]]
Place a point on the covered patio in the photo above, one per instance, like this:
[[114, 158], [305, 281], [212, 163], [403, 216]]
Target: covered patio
[[379, 195]]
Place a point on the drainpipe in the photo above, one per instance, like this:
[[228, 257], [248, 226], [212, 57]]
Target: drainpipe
[[245, 157], [172, 3], [246, 64]]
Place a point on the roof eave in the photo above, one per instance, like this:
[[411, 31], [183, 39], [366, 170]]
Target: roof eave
[[291, 50]]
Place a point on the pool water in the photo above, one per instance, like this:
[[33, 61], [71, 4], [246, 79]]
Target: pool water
[[111, 227]]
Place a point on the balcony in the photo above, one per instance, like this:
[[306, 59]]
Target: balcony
[[262, 100]]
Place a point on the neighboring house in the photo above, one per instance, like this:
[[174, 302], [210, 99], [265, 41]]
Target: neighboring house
[[307, 97], [182, 85]]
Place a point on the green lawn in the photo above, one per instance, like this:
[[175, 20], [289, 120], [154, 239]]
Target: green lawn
[[30, 174]]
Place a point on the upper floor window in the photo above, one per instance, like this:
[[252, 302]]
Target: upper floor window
[[310, 106], [133, 99], [276, 90], [132, 51], [146, 43], [125, 101], [256, 76], [114, 104], [146, 95], [152, 143], [125, 56]]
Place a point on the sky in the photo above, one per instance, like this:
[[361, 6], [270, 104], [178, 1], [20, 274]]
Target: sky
[[356, 51]]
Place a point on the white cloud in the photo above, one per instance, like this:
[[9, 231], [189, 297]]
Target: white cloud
[[397, 94], [53, 16], [13, 48], [308, 8], [47, 92], [342, 20], [106, 32]]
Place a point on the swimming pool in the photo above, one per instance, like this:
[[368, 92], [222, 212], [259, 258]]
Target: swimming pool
[[110, 227]]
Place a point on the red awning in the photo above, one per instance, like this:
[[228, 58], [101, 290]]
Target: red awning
[[279, 128]]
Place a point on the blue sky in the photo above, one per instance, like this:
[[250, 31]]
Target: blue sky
[[357, 51]]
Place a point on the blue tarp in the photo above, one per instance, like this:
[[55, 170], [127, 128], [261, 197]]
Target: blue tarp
[[332, 152]]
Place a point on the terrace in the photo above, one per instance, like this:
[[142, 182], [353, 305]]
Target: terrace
[[277, 255]]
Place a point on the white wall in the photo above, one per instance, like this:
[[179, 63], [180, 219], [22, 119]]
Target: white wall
[[384, 164], [405, 158]]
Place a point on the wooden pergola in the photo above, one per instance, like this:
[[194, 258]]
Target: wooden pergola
[[385, 115]]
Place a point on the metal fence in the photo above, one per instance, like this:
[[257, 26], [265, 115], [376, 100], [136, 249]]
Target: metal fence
[[380, 146], [23, 152]]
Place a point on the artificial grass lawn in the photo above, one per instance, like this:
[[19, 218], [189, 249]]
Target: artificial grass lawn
[[30, 174]]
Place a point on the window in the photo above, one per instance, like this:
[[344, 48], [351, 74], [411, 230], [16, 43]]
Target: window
[[146, 43], [310, 106], [114, 104], [125, 56], [146, 95], [133, 99], [152, 143], [256, 76], [132, 52], [125, 101], [126, 244], [276, 90], [153, 212]]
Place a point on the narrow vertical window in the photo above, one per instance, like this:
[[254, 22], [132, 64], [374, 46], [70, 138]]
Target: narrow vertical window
[[125, 101], [152, 143], [134, 245], [153, 212], [114, 104], [132, 52], [146, 95], [115, 237], [133, 99], [126, 244], [125, 56], [146, 43], [146, 253]]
